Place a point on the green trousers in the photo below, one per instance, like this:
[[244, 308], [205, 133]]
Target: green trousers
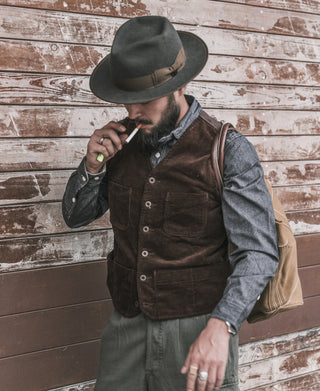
[[140, 354]]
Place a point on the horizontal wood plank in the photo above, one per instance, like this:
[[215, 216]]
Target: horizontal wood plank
[[51, 121], [49, 186], [50, 368], [209, 13], [301, 318], [304, 222], [46, 219], [40, 219], [58, 153], [79, 247], [279, 368], [54, 250], [25, 121], [276, 346], [74, 90], [308, 382], [310, 277], [310, 6], [30, 187], [308, 250], [59, 58], [52, 287], [47, 329], [292, 173], [52, 26], [299, 197]]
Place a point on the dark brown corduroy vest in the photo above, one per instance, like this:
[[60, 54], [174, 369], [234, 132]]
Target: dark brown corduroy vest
[[169, 258]]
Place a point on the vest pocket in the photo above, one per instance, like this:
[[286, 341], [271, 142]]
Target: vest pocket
[[185, 214], [119, 205]]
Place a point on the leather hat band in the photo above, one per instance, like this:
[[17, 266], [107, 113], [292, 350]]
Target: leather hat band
[[155, 79]]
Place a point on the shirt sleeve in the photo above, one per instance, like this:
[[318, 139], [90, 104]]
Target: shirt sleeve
[[250, 226], [85, 198]]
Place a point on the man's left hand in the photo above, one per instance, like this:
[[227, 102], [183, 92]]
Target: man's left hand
[[208, 354]]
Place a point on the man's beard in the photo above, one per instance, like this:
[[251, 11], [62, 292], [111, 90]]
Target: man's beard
[[149, 142]]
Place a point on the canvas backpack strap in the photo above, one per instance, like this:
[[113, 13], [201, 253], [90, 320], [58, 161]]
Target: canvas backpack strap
[[217, 154]]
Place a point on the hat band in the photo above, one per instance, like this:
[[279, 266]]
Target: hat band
[[155, 79]]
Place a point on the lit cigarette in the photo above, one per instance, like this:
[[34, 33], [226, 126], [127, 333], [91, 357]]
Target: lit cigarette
[[130, 137], [100, 156]]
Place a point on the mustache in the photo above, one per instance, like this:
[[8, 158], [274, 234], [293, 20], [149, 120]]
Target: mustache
[[144, 122]]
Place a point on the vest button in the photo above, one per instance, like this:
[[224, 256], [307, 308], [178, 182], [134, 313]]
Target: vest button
[[146, 229], [143, 277], [145, 253], [152, 180], [148, 204], [136, 303]]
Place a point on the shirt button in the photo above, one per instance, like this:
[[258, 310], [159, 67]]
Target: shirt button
[[143, 277], [96, 178], [136, 303], [145, 253], [146, 229], [148, 204], [74, 199], [152, 180]]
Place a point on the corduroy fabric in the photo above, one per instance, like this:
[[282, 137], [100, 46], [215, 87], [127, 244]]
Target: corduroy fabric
[[170, 248]]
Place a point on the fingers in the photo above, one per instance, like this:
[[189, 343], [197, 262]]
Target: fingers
[[106, 142]]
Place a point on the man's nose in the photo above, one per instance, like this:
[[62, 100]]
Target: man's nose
[[134, 111]]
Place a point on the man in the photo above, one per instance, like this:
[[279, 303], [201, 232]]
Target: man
[[179, 298]]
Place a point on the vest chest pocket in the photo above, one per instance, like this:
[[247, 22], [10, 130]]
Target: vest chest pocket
[[119, 204], [185, 214]]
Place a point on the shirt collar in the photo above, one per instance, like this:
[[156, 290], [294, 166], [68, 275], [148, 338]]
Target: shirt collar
[[193, 112]]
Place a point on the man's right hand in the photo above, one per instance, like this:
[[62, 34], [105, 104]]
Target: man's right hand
[[108, 141]]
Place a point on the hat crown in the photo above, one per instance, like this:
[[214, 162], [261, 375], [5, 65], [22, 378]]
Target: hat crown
[[142, 45]]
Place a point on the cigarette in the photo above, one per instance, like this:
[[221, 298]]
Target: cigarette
[[100, 156], [130, 137]]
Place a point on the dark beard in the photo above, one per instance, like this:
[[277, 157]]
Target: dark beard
[[149, 142]]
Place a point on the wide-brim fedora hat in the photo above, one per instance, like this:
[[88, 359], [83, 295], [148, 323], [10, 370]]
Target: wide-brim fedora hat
[[149, 59]]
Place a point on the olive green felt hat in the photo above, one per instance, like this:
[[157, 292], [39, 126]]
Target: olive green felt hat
[[149, 59]]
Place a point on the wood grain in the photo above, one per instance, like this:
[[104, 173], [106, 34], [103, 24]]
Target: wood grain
[[39, 219], [279, 368], [48, 186], [61, 90], [208, 13], [58, 153], [96, 30], [54, 250], [69, 59], [53, 121], [52, 287], [308, 382], [276, 346], [310, 6], [304, 222], [292, 173]]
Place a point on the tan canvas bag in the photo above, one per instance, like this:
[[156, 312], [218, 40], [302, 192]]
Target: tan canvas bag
[[283, 292]]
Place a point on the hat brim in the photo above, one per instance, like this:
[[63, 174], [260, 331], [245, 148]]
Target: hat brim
[[196, 52]]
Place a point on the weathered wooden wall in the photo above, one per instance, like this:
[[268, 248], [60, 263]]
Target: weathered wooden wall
[[263, 75]]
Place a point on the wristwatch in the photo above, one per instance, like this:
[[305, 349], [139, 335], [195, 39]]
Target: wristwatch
[[231, 329]]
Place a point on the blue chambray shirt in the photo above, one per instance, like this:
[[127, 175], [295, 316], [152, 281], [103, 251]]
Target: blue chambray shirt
[[247, 213]]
